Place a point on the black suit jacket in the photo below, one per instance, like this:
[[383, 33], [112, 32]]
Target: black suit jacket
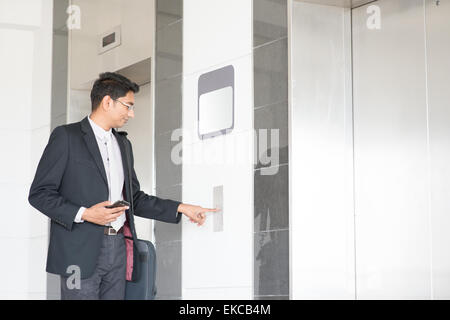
[[71, 174]]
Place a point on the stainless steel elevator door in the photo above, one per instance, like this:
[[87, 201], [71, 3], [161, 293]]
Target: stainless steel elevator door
[[438, 76], [321, 221], [393, 231]]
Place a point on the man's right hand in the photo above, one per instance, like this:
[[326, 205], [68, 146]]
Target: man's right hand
[[98, 214]]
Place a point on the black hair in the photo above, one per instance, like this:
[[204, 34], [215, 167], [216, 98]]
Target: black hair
[[111, 84]]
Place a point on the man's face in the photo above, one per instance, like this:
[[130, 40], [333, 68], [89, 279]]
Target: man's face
[[119, 112]]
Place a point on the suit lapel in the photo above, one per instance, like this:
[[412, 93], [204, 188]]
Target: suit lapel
[[125, 164], [121, 141], [92, 145]]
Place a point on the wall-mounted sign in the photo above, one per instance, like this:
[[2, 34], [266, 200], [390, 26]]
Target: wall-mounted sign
[[216, 102]]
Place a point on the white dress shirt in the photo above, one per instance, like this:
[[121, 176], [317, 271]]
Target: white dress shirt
[[112, 161]]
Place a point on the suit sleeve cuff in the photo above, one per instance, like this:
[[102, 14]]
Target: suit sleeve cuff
[[178, 215], [79, 215]]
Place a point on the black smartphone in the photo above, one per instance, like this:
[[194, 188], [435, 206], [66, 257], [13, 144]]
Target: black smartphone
[[120, 203]]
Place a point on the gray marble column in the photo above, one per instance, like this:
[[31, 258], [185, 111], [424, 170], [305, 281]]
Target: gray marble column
[[271, 181], [59, 97], [168, 117]]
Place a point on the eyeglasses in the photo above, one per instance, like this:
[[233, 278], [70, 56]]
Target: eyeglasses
[[129, 106]]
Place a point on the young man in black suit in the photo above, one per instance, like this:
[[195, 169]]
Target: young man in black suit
[[83, 169]]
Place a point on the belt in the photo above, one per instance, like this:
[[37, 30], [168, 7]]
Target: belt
[[110, 231]]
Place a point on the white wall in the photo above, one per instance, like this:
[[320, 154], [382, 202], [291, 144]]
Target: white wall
[[136, 18], [218, 265], [25, 88], [79, 105]]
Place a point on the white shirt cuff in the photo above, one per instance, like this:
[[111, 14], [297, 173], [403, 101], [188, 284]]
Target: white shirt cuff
[[79, 214]]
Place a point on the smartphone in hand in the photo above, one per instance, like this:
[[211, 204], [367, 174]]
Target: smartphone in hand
[[120, 203]]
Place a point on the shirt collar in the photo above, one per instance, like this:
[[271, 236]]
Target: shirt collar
[[99, 131]]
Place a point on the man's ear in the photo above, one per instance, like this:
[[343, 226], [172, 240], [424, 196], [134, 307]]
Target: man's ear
[[106, 101]]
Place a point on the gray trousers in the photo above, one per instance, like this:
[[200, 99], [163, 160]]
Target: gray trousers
[[108, 280]]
